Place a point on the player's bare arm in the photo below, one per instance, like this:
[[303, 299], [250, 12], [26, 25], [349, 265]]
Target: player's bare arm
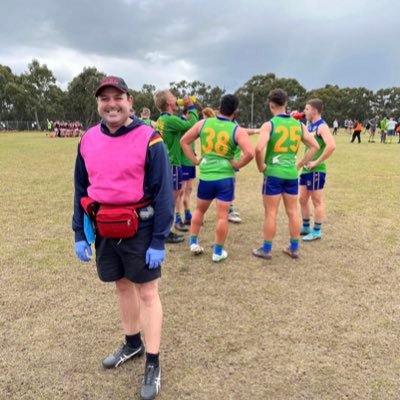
[[312, 145], [326, 134], [263, 139]]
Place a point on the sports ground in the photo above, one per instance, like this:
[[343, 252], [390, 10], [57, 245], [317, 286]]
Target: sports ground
[[325, 326]]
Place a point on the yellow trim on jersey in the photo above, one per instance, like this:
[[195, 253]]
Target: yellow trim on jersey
[[154, 141]]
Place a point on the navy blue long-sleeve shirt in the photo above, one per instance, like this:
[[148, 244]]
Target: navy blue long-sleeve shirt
[[157, 188]]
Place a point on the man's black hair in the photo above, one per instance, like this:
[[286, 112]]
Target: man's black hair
[[229, 104]]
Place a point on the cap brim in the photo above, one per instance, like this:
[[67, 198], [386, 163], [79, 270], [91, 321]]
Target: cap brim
[[100, 88]]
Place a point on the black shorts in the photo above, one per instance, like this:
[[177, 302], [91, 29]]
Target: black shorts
[[126, 258]]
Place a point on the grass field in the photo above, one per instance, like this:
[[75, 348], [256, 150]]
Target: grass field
[[325, 326]]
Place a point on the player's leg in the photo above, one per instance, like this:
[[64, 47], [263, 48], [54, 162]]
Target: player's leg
[[221, 230], [272, 193], [179, 225], [290, 200], [317, 198], [197, 221], [188, 189], [224, 194], [304, 198], [177, 187], [205, 196], [233, 215], [271, 207]]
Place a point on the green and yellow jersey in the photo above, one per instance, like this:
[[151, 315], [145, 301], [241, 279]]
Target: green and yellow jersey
[[283, 145], [218, 146], [171, 129], [313, 129], [185, 161]]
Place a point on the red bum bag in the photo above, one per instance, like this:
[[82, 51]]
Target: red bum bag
[[114, 221]]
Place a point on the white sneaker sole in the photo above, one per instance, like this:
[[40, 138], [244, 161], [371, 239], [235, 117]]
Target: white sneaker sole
[[196, 249], [216, 258]]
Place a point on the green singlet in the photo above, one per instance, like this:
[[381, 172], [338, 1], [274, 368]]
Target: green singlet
[[171, 129], [283, 145], [313, 129], [217, 148]]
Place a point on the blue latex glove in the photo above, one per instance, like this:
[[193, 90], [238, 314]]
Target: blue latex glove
[[83, 251], [88, 228], [154, 257]]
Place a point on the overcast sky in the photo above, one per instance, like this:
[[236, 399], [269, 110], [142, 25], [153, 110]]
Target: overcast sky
[[344, 42]]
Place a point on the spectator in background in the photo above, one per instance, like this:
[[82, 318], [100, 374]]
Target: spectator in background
[[357, 132], [346, 125], [391, 129], [374, 124], [351, 126], [335, 126], [367, 127], [398, 129], [145, 117], [383, 128]]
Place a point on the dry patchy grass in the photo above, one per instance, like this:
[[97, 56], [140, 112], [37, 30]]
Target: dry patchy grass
[[322, 327]]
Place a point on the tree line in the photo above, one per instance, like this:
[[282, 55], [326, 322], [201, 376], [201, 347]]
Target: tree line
[[35, 96]]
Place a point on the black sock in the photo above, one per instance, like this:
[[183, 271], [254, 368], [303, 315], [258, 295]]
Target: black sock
[[152, 359], [133, 340]]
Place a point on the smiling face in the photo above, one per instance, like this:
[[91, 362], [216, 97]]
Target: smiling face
[[114, 107]]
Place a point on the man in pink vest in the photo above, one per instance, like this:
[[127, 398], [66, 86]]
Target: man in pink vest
[[121, 161]]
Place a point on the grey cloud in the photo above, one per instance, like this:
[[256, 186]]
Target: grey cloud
[[226, 41]]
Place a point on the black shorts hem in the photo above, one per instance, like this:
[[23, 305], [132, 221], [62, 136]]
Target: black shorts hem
[[126, 258]]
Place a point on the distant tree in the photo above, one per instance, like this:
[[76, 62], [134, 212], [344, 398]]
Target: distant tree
[[81, 102], [255, 91], [35, 95], [41, 92], [7, 78], [207, 95], [144, 98], [387, 102]]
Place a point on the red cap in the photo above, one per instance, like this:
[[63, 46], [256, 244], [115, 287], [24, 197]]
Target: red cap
[[112, 81]]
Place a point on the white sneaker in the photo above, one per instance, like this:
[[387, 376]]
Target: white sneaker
[[234, 212], [196, 249], [217, 258], [234, 218]]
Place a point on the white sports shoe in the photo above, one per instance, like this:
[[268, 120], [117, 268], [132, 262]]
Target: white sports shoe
[[196, 249], [233, 217], [217, 258]]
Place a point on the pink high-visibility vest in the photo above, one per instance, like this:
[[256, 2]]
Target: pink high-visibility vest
[[116, 164]]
